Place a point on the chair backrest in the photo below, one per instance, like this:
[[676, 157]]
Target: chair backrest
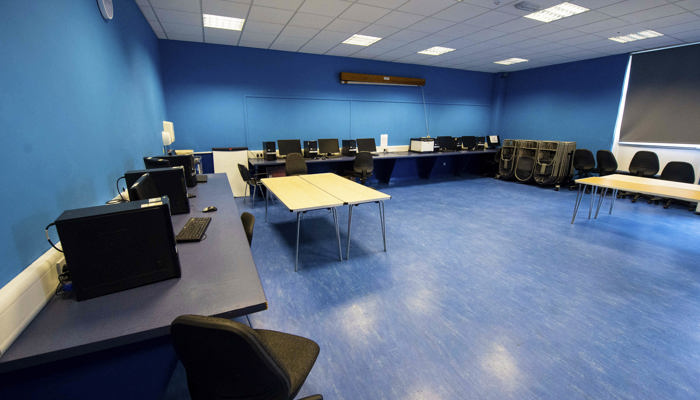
[[584, 160], [245, 174], [607, 164], [644, 163], [248, 221], [364, 163], [225, 359], [295, 164], [678, 171]]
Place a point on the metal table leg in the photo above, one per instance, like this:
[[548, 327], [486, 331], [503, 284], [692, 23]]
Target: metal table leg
[[296, 258], [603, 192], [612, 200], [381, 217], [590, 208], [267, 194], [347, 254], [337, 232], [579, 196]]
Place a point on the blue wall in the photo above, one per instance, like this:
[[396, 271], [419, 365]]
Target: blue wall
[[573, 102], [81, 102], [235, 96]]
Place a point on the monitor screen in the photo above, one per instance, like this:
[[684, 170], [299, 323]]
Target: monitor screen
[[144, 188], [367, 144], [287, 146], [310, 145], [446, 142], [469, 142], [185, 161], [493, 140], [328, 146]]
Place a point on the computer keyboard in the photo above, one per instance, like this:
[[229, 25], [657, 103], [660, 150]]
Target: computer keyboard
[[194, 229]]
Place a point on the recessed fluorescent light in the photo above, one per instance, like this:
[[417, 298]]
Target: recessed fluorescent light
[[510, 61], [559, 11], [221, 22], [636, 36], [436, 51], [362, 40]]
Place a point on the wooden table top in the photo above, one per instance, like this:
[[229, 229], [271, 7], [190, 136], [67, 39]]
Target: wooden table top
[[650, 186], [298, 194], [344, 189]]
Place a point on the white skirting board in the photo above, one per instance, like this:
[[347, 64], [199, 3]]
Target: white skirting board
[[25, 295]]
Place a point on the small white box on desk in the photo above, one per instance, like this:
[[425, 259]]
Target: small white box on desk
[[422, 145]]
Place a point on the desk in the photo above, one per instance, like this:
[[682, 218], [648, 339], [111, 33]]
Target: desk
[[655, 187], [390, 157], [300, 196], [352, 194], [219, 278]]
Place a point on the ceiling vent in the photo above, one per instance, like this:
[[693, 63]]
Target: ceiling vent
[[527, 6]]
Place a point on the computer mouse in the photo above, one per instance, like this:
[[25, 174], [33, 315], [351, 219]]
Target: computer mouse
[[209, 209]]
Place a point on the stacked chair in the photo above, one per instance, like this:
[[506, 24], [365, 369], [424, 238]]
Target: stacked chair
[[676, 171]]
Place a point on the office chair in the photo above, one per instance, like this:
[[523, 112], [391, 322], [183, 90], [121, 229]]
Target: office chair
[[253, 181], [363, 166], [295, 164], [607, 164], [225, 359], [248, 221], [584, 164], [644, 164], [676, 171]]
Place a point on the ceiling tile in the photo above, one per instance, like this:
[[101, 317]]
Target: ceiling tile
[[342, 50], [249, 37], [516, 25], [221, 36], [269, 15], [672, 21], [260, 44], [607, 24], [286, 45], [398, 19], [688, 36], [225, 8], [171, 28], [147, 12], [179, 17], [186, 37], [580, 19], [364, 13], [423, 7], [491, 19], [177, 5], [330, 8], [693, 5], [654, 13], [383, 3], [431, 25], [261, 27], [629, 6], [378, 31], [407, 35], [346, 26], [309, 20], [460, 12], [283, 4], [298, 32]]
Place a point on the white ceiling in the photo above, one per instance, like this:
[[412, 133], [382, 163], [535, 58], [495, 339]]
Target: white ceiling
[[481, 31]]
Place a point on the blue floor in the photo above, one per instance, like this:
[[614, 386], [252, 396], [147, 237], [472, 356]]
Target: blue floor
[[487, 292]]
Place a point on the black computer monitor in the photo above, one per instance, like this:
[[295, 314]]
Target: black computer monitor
[[328, 146], [469, 142], [169, 182], [287, 146], [446, 143], [144, 188], [367, 144], [184, 161]]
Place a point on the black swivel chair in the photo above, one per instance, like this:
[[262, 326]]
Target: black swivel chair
[[645, 164], [295, 164], [676, 171], [225, 359], [607, 164], [584, 164], [248, 221], [253, 181], [363, 166]]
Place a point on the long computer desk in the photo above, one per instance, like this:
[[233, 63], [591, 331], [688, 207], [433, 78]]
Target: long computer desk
[[303, 193], [219, 278], [636, 184], [385, 159]]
